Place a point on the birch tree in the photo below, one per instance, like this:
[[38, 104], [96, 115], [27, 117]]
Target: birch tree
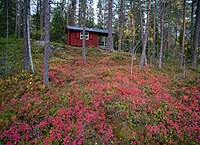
[[27, 46], [183, 36], [28, 36], [132, 26], [162, 12], [145, 35]]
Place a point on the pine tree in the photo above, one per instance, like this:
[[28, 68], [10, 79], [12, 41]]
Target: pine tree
[[84, 26], [196, 37], [110, 38], [47, 41], [120, 20]]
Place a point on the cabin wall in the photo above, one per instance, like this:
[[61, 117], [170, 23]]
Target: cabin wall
[[73, 39]]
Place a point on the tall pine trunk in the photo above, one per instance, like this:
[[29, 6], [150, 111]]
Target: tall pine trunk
[[47, 41], [20, 19], [110, 39], [84, 25], [183, 37], [154, 32], [120, 26], [192, 24], [196, 36], [7, 35], [26, 52], [168, 40]]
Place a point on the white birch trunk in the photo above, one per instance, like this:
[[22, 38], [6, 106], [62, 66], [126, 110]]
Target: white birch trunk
[[161, 35], [144, 57], [183, 38], [28, 37]]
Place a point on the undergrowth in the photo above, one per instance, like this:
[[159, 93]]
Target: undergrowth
[[98, 102]]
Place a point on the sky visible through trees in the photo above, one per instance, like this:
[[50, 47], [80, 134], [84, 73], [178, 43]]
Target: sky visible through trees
[[33, 8]]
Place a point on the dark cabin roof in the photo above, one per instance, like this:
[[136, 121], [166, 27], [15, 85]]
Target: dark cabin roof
[[101, 31]]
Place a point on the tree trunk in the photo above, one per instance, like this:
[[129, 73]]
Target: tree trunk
[[143, 57], [120, 26], [192, 24], [26, 53], [196, 36], [168, 41], [110, 40], [183, 38], [42, 19], [132, 27], [154, 31], [84, 25], [141, 22], [175, 41], [47, 41], [7, 35], [28, 36], [161, 34], [20, 18], [16, 18]]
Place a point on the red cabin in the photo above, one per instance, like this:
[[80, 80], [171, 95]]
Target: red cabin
[[92, 35]]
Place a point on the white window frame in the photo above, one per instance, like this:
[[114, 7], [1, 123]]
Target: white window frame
[[86, 35]]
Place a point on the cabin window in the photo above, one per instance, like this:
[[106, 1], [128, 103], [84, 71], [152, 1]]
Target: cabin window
[[86, 35]]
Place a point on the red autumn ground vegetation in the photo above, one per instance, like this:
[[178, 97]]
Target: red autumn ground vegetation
[[99, 103]]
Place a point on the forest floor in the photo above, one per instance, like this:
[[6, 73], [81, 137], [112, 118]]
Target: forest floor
[[99, 102]]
